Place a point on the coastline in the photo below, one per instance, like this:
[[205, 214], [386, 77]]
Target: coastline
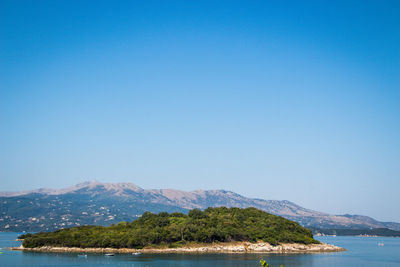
[[232, 247]]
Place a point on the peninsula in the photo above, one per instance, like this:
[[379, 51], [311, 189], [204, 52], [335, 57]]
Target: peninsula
[[212, 230]]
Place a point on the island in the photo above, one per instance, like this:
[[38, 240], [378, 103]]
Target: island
[[228, 230]]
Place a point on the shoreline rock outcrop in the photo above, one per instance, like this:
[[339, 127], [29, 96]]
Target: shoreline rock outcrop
[[233, 247]]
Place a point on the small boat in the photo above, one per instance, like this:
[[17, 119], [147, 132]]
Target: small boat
[[82, 256], [381, 244], [136, 253], [109, 254]]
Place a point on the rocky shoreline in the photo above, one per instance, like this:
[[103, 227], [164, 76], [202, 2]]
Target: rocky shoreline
[[234, 247]]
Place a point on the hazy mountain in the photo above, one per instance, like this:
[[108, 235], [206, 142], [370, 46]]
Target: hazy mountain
[[106, 203]]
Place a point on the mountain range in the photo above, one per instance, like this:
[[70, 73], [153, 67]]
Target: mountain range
[[106, 203]]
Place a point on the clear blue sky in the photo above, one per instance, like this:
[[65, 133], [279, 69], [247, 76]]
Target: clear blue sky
[[270, 99]]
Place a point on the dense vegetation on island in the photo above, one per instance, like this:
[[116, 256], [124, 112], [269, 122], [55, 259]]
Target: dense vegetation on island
[[175, 229]]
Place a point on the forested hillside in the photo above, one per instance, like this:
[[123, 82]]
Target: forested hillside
[[175, 229]]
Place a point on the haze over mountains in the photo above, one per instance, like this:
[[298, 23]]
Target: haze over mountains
[[106, 203]]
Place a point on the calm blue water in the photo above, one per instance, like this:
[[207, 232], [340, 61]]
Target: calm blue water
[[362, 251]]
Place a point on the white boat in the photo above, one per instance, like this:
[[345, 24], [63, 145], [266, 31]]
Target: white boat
[[381, 244], [109, 254], [136, 253], [82, 255]]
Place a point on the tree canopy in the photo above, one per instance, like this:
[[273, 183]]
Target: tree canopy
[[211, 225]]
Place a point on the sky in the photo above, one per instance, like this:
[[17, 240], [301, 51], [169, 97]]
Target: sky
[[295, 100]]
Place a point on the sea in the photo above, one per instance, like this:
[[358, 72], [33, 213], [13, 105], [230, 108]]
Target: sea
[[361, 251]]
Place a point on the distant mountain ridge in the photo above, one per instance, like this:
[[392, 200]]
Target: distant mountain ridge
[[105, 203]]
